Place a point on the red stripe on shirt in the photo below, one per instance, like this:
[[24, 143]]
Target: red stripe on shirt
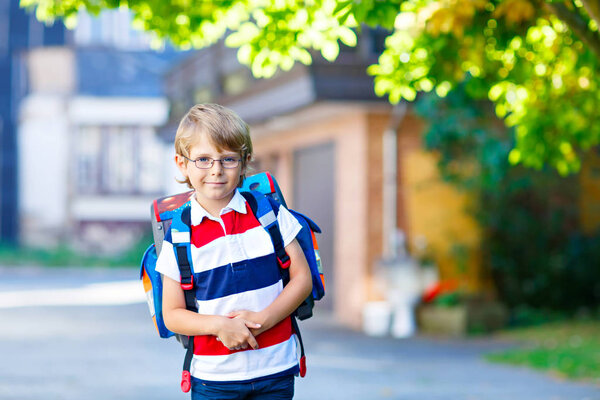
[[208, 345], [236, 223], [205, 232]]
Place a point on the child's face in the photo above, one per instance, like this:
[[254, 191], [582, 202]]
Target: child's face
[[214, 186]]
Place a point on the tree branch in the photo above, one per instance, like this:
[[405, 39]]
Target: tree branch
[[593, 9], [577, 24]]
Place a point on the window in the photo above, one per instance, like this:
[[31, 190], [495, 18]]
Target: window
[[118, 160], [110, 28], [88, 152], [150, 163]]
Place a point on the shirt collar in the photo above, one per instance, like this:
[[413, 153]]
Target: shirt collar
[[237, 203]]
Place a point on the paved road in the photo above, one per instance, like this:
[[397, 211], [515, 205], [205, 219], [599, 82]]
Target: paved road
[[105, 348]]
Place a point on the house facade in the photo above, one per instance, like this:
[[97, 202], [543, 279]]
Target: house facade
[[20, 32], [89, 155]]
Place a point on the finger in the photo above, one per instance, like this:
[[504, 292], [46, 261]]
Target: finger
[[252, 342], [251, 324]]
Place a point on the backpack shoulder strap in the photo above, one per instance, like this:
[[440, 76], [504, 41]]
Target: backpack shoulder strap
[[252, 202], [180, 237], [181, 228], [266, 212], [265, 209]]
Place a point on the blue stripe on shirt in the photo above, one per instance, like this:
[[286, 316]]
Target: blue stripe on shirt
[[238, 277]]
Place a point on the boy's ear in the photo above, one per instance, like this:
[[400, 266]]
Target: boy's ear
[[181, 162], [245, 165]]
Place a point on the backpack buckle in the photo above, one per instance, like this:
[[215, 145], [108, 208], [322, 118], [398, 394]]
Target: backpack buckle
[[188, 285], [303, 366], [186, 381], [284, 264]]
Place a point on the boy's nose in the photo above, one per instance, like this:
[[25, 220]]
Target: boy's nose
[[217, 166]]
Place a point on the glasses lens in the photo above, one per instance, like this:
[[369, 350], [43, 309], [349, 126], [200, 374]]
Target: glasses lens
[[229, 162], [207, 162], [204, 162]]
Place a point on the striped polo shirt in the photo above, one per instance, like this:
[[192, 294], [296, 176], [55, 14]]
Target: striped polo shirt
[[235, 268]]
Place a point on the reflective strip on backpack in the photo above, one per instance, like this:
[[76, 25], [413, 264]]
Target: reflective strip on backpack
[[267, 219], [180, 237]]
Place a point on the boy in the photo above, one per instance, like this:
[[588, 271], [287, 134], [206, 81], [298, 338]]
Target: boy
[[244, 347]]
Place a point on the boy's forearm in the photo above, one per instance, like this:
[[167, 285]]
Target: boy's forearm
[[180, 320], [189, 323], [293, 294], [289, 299]]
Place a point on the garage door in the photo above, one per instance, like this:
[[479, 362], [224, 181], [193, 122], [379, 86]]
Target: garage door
[[314, 196]]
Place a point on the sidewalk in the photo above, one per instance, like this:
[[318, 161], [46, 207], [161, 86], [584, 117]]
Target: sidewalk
[[349, 365], [112, 352]]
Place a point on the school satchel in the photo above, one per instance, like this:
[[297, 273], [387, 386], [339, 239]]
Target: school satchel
[[262, 193], [171, 215]]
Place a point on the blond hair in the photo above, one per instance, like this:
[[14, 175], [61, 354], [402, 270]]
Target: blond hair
[[225, 129]]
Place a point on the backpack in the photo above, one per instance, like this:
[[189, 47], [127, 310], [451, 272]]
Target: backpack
[[170, 215], [262, 193]]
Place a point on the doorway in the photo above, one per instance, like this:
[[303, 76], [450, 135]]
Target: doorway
[[314, 183]]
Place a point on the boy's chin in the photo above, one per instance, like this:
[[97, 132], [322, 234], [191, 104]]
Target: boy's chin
[[215, 195]]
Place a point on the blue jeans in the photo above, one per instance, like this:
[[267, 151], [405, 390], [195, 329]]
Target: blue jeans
[[280, 388]]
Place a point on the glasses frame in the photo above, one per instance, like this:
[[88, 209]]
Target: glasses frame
[[212, 162]]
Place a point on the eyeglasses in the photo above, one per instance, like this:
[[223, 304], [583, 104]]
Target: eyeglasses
[[207, 162]]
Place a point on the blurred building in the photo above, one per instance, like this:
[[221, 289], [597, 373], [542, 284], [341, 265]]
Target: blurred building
[[90, 160], [19, 33]]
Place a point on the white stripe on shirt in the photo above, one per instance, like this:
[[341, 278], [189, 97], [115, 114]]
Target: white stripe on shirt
[[252, 300]]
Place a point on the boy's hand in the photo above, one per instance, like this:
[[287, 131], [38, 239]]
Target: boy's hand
[[256, 317], [235, 333]]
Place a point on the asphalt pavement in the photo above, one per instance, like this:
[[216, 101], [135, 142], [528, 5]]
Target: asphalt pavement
[[87, 334]]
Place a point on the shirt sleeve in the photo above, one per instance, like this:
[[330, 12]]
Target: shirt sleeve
[[288, 225], [166, 263]]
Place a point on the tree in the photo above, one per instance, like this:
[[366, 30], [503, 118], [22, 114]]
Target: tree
[[536, 60], [534, 247]]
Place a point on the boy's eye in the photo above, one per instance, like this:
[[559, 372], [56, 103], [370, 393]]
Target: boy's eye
[[229, 159], [203, 159]]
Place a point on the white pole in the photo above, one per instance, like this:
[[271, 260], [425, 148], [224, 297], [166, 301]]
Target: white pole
[[390, 172]]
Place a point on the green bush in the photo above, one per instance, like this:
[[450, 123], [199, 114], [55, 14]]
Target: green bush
[[568, 348], [64, 255], [533, 244]]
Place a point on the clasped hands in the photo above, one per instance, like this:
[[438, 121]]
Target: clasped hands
[[238, 330]]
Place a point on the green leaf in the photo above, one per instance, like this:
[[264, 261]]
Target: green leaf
[[395, 96], [286, 63], [330, 50], [301, 55], [347, 36], [341, 5], [535, 71], [244, 54], [383, 86], [408, 93], [71, 21]]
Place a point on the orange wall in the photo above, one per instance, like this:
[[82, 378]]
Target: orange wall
[[438, 212], [426, 205]]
